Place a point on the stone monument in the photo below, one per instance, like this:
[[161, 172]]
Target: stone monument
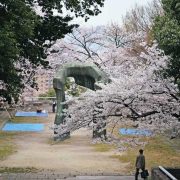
[[85, 74]]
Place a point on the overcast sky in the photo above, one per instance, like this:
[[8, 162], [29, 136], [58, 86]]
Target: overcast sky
[[112, 12]]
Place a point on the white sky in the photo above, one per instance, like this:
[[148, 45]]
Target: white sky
[[112, 12]]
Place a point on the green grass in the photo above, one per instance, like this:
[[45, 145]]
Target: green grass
[[7, 147], [27, 120], [157, 152], [51, 141], [18, 170], [100, 147], [160, 150]]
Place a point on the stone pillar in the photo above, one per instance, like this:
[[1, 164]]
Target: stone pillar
[[99, 130], [59, 119]]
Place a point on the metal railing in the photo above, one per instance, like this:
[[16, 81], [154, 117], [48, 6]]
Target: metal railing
[[167, 173], [38, 98]]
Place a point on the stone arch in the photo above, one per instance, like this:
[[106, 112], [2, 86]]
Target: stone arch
[[85, 74]]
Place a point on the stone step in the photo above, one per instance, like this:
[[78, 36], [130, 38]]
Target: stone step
[[48, 176], [101, 178]]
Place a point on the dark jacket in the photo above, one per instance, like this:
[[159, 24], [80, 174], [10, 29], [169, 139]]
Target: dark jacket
[[140, 162]]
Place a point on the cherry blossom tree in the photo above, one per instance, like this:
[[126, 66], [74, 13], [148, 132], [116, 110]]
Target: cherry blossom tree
[[137, 92], [82, 45], [102, 46], [117, 35]]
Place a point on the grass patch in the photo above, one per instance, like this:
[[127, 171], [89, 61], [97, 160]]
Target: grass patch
[[18, 170], [103, 147], [157, 152], [72, 140], [51, 141], [160, 152], [7, 147], [27, 120]]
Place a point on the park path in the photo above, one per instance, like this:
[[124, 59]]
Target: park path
[[76, 156]]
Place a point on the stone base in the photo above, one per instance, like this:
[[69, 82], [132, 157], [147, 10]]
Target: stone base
[[62, 137], [156, 174]]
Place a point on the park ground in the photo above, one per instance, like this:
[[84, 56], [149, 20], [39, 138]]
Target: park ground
[[36, 151]]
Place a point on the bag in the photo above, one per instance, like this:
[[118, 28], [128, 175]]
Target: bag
[[144, 173]]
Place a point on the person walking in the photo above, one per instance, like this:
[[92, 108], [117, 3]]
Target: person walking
[[53, 106], [140, 163]]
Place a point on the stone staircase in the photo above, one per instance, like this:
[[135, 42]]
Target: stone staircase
[[102, 178], [55, 176]]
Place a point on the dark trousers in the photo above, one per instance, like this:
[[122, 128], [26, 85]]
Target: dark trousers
[[137, 173], [53, 108]]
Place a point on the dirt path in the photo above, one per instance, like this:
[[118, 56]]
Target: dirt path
[[74, 156]]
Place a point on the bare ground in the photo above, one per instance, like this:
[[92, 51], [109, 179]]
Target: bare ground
[[73, 156]]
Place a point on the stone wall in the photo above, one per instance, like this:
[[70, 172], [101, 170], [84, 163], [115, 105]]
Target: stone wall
[[156, 174]]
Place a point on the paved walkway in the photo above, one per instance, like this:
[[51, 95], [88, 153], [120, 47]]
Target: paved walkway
[[51, 175], [54, 176]]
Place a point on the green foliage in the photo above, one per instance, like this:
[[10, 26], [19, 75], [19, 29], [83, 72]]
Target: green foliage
[[67, 84], [167, 32], [23, 34], [50, 93], [76, 91]]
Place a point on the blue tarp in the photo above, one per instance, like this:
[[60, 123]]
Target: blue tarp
[[31, 114], [126, 131], [23, 127]]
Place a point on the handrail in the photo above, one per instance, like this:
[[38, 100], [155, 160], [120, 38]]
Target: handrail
[[42, 97], [167, 173]]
